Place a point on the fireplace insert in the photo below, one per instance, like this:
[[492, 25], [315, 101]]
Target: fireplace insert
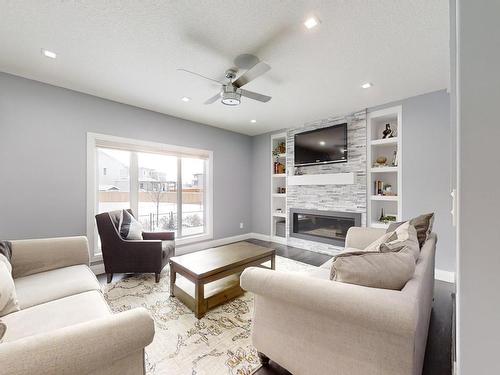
[[322, 226]]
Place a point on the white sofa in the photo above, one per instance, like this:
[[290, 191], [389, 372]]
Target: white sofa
[[65, 326], [311, 325]]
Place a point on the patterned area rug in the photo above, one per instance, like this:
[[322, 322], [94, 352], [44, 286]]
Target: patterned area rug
[[219, 343]]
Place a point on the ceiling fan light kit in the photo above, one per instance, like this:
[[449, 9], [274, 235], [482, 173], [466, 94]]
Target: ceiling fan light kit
[[230, 96]]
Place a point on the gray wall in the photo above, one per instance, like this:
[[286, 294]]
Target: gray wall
[[426, 169], [478, 84], [43, 157], [261, 184]]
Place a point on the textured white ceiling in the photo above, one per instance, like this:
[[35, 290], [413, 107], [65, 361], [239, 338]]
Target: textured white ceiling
[[128, 51]]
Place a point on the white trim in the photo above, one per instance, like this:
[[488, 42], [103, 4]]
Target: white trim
[[94, 138], [443, 275], [259, 236]]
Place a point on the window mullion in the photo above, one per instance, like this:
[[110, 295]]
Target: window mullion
[[179, 197], [134, 183]]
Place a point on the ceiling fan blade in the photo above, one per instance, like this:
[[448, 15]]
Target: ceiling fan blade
[[200, 75], [255, 96], [213, 99], [256, 71]]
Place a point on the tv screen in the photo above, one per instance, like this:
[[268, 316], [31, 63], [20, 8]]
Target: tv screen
[[321, 146]]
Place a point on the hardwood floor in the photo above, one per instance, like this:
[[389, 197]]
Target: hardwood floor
[[439, 343], [438, 353]]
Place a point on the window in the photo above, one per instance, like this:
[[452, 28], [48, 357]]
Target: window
[[167, 187]]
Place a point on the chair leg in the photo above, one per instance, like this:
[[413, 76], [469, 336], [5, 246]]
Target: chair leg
[[157, 277], [264, 359], [110, 277]]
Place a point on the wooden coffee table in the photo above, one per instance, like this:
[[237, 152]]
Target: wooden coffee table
[[214, 274]]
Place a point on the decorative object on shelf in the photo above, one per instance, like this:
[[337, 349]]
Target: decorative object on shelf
[[387, 189], [387, 133], [281, 147], [298, 171], [279, 211], [381, 215], [281, 190], [394, 162], [379, 187], [381, 160], [279, 168]]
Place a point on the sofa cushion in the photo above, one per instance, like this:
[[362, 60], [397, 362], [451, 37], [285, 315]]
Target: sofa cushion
[[375, 269], [51, 285], [423, 225], [8, 298], [56, 314]]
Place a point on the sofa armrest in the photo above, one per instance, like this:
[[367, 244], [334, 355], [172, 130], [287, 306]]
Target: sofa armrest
[[79, 349], [376, 309], [361, 237], [162, 236], [40, 255]]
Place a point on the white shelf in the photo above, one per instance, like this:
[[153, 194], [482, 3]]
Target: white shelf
[[393, 198], [278, 180], [386, 141], [383, 169], [378, 224], [322, 179], [391, 175]]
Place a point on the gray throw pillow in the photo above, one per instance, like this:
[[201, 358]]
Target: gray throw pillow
[[3, 329], [423, 224]]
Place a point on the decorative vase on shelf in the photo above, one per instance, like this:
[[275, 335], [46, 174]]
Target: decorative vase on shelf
[[381, 215]]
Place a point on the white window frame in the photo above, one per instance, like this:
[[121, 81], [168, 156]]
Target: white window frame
[[92, 189]]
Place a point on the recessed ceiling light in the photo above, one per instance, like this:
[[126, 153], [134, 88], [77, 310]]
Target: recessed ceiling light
[[367, 85], [185, 99], [322, 143], [311, 22], [253, 121], [49, 54]]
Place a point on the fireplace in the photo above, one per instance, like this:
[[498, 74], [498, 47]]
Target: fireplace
[[322, 226]]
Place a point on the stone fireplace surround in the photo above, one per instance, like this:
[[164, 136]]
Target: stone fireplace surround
[[349, 198]]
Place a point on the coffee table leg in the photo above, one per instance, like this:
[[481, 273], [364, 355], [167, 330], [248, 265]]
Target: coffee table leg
[[172, 279], [273, 262], [199, 299]]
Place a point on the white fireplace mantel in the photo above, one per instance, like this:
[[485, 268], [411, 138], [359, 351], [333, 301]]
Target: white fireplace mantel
[[322, 179]]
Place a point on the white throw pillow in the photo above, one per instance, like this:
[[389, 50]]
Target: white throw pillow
[[8, 297], [406, 237], [129, 227]]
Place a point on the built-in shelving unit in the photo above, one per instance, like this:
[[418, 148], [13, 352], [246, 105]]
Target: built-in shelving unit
[[279, 218], [389, 174]]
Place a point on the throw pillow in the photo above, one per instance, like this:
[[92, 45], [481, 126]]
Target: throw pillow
[[3, 329], [423, 224], [387, 237], [374, 269], [8, 297], [6, 250], [129, 228], [406, 236]]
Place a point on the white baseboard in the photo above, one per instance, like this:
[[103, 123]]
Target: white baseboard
[[98, 268], [443, 275]]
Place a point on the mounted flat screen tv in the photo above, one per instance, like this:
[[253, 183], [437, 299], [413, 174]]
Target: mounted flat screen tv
[[321, 146]]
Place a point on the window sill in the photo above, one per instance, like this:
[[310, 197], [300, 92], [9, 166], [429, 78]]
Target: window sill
[[193, 239]]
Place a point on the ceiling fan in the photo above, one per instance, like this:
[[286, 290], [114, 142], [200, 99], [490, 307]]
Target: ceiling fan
[[231, 91]]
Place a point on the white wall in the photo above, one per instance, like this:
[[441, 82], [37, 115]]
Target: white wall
[[43, 157], [478, 91]]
